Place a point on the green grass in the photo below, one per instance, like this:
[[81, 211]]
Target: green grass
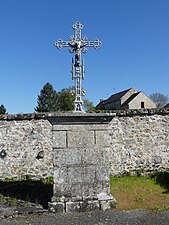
[[133, 192]]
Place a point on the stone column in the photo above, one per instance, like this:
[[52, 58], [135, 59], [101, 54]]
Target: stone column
[[81, 173]]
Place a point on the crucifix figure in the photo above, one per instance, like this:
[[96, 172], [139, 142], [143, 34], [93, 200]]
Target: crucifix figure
[[78, 44]]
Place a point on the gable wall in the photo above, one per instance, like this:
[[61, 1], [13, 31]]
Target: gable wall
[[141, 97]]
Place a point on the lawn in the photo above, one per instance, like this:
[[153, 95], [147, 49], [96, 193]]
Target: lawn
[[135, 192]]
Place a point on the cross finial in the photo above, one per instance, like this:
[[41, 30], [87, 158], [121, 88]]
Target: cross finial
[[77, 25]]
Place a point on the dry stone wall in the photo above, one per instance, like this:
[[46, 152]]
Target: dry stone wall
[[138, 142], [25, 147]]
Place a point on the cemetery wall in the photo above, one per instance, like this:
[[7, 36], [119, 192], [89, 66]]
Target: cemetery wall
[[25, 147], [138, 142]]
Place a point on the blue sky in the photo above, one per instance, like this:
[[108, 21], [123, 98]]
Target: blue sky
[[135, 50]]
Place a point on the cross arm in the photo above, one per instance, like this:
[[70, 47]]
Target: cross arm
[[60, 44], [95, 43]]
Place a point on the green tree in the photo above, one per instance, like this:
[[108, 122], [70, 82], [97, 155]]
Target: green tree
[[88, 105], [2, 109], [65, 99], [159, 99], [47, 100]]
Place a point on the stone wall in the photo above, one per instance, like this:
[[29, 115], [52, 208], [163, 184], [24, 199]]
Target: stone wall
[[25, 147], [139, 141]]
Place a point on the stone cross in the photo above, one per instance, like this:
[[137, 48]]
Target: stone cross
[[78, 44]]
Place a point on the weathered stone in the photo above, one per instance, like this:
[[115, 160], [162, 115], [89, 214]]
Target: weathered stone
[[106, 201], [102, 173], [59, 139], [139, 143], [90, 190], [107, 204], [24, 141], [56, 207], [77, 127], [156, 159], [72, 206], [80, 138], [89, 205], [102, 138], [88, 174], [92, 155], [67, 157]]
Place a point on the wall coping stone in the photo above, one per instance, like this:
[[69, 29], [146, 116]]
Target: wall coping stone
[[65, 115]]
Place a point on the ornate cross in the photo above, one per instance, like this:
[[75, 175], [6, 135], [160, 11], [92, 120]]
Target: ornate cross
[[78, 44]]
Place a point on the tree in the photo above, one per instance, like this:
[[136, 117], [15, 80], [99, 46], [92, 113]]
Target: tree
[[65, 99], [47, 100], [88, 105], [2, 109], [159, 99]]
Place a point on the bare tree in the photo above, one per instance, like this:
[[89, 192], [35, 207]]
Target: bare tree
[[159, 99]]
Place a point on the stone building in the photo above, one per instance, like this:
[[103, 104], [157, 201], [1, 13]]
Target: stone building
[[128, 99]]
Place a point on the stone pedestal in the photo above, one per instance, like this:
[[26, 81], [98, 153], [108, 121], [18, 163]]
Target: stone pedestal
[[81, 206], [81, 173]]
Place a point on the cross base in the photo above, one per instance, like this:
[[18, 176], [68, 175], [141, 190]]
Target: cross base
[[82, 206], [78, 106]]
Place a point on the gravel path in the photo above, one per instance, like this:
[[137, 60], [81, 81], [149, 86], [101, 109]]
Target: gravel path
[[114, 217]]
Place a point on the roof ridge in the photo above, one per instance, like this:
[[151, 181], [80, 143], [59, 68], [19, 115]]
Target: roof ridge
[[115, 97]]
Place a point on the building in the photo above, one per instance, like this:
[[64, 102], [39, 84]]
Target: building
[[166, 106], [128, 99]]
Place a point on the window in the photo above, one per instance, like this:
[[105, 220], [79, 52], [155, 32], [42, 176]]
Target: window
[[142, 105]]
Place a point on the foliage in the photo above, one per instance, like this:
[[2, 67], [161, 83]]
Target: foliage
[[2, 109], [88, 105], [48, 180], [65, 99], [47, 100], [159, 99]]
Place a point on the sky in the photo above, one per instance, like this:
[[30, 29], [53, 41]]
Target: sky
[[134, 51]]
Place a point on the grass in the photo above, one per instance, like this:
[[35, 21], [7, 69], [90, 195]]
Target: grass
[[133, 192]]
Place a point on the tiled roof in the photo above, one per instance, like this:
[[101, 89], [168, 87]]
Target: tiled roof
[[115, 97]]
